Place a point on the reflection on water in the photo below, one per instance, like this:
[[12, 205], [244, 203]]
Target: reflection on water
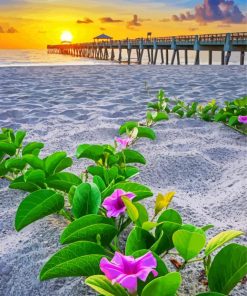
[[36, 57]]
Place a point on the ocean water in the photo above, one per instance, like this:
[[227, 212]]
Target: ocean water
[[36, 57]]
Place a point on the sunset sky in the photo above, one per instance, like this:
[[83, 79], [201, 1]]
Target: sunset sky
[[36, 23]]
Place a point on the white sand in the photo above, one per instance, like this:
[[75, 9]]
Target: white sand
[[65, 106]]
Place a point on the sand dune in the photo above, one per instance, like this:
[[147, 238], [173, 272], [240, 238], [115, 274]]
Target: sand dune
[[205, 163]]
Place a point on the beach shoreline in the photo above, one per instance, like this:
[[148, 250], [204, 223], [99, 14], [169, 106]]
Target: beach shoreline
[[205, 163]]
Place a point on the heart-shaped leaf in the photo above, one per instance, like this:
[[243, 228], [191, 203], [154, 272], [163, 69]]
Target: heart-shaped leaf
[[36, 206], [86, 200], [131, 156], [7, 148], [34, 161], [146, 132], [88, 228], [63, 181], [19, 137], [228, 268], [93, 152], [127, 126], [19, 183], [32, 148], [188, 244], [103, 286], [138, 239], [165, 285], [53, 161], [220, 239], [15, 163], [77, 259]]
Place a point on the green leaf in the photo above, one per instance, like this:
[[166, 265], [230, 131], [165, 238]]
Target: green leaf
[[94, 152], [7, 148], [131, 209], [139, 190], [37, 205], [63, 181], [149, 225], [99, 182], [103, 286], [161, 116], [19, 137], [64, 164], [143, 214], [53, 161], [130, 172], [34, 161], [87, 228], [33, 148], [166, 285], [188, 244], [36, 177], [77, 259], [132, 156], [138, 239], [207, 227], [19, 183], [233, 120], [168, 215], [228, 268], [220, 239], [127, 126], [164, 241], [146, 132], [15, 163], [87, 200]]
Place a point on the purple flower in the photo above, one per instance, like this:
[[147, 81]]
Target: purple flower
[[242, 119], [114, 204], [123, 142], [125, 270]]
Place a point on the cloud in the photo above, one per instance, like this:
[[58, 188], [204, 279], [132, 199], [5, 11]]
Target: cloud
[[11, 30], [165, 20], [86, 20], [1, 30], [109, 20], [226, 11], [136, 22]]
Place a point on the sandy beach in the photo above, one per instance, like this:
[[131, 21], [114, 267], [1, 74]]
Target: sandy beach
[[205, 163]]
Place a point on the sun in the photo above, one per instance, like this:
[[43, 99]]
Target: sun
[[66, 37]]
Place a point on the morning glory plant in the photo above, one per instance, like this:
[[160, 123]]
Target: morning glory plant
[[103, 201]]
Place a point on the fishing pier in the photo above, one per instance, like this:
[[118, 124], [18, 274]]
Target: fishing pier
[[113, 50]]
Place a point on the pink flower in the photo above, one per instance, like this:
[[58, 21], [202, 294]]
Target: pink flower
[[242, 119], [123, 142], [114, 204], [125, 270]]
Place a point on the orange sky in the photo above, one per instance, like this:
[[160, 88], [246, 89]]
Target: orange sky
[[36, 23]]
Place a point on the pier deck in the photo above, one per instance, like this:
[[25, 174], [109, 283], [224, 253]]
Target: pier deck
[[113, 49]]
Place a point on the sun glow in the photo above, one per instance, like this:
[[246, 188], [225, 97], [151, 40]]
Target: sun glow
[[66, 37]]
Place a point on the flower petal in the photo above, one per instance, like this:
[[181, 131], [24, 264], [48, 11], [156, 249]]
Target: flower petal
[[129, 282]]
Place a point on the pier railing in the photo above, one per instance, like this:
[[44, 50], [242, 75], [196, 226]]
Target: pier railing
[[225, 42]]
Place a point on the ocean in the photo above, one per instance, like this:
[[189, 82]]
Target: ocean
[[36, 57]]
